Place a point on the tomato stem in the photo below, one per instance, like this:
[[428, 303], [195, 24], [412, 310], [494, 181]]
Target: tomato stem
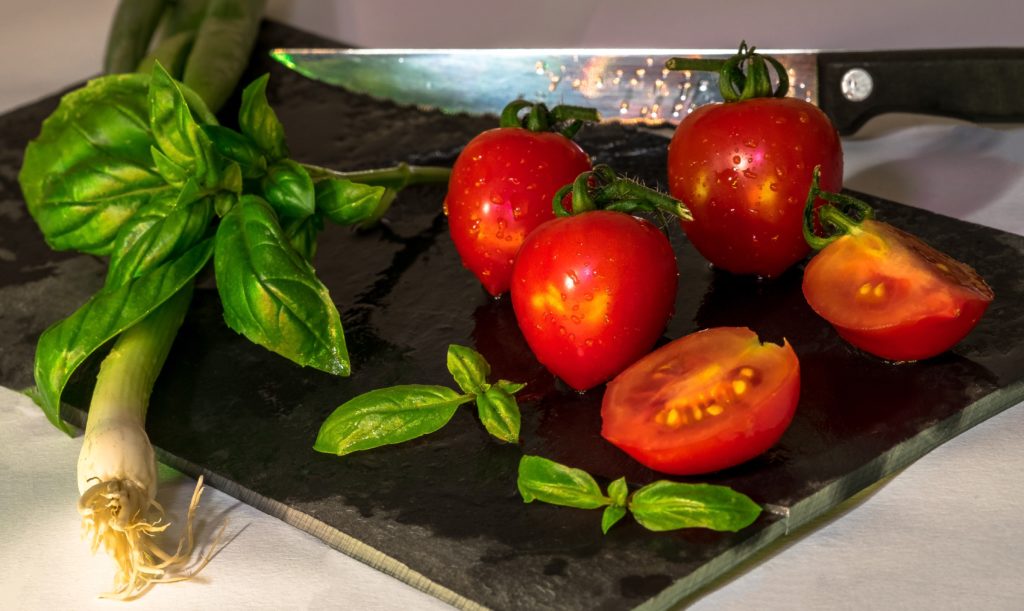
[[831, 216], [602, 189], [735, 84], [562, 119]]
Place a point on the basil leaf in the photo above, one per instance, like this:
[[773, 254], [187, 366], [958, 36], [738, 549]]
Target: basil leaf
[[63, 347], [469, 368], [618, 491], [499, 413], [387, 416], [611, 515], [302, 234], [90, 168], [348, 203], [289, 190], [223, 202], [545, 480], [271, 294], [258, 121], [667, 505], [171, 172], [238, 148], [176, 131], [162, 230], [510, 387]]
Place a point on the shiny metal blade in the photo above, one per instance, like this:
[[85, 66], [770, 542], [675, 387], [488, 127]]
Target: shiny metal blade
[[628, 85]]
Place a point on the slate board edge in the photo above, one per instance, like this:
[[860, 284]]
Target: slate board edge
[[706, 578]]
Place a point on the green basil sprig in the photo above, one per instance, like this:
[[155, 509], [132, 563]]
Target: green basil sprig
[[399, 413], [137, 168], [660, 506]]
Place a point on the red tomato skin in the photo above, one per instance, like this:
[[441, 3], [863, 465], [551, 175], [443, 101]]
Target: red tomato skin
[[500, 190], [592, 293], [744, 170], [932, 300], [748, 434], [919, 340]]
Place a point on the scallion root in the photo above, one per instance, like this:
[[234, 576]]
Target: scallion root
[[119, 517]]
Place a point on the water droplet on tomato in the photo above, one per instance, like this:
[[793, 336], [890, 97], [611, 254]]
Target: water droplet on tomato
[[804, 118], [749, 174], [736, 160], [479, 182], [496, 198], [517, 212], [589, 343], [575, 307], [576, 318], [474, 227], [444, 207], [561, 331], [773, 186], [589, 296], [750, 144], [564, 296], [514, 180]]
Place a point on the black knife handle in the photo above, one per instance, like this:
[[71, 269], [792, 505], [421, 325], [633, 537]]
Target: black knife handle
[[981, 85]]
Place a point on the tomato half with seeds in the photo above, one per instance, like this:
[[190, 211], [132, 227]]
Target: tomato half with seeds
[[500, 190], [705, 402], [892, 295]]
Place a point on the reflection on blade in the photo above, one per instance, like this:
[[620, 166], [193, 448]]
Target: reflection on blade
[[624, 85]]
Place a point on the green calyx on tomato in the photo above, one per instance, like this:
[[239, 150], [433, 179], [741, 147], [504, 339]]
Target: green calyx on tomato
[[602, 189], [830, 217], [562, 119], [884, 290], [735, 84]]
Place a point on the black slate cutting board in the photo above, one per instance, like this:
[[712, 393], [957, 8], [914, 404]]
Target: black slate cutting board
[[442, 512]]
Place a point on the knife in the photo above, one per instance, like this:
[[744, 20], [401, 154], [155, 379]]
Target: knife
[[632, 85]]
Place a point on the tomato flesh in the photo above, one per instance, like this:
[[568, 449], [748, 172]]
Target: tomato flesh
[[704, 402], [592, 293], [500, 189], [744, 169], [890, 294]]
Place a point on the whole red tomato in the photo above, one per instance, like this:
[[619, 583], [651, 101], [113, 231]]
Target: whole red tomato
[[743, 168], [501, 189], [592, 293]]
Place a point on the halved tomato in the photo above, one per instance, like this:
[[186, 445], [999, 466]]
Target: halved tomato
[[704, 402], [890, 294]]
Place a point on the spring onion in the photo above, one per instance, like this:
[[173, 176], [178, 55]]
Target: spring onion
[[117, 466]]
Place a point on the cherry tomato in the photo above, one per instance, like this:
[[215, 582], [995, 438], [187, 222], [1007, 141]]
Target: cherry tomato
[[592, 293], [743, 168], [500, 189], [890, 294], [705, 402]]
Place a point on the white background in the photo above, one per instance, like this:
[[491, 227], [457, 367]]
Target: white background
[[944, 533]]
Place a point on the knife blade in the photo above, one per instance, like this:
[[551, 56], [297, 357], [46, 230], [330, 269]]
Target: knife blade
[[632, 85]]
